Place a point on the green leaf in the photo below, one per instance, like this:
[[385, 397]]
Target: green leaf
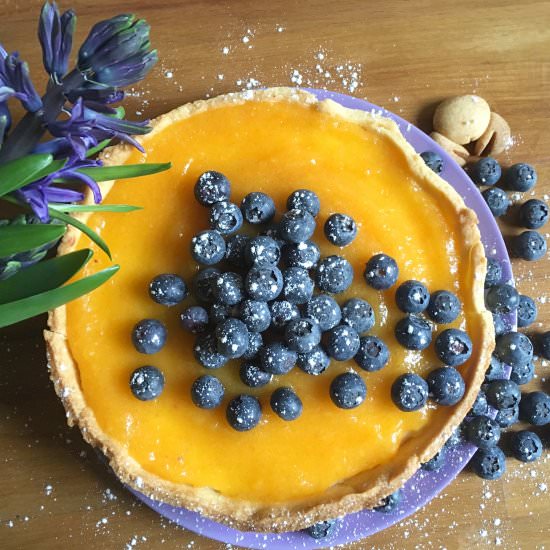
[[94, 207], [107, 173], [43, 276], [17, 173], [99, 147], [56, 214], [18, 310], [20, 238]]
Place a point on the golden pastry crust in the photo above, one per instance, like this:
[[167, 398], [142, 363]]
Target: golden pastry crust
[[362, 491]]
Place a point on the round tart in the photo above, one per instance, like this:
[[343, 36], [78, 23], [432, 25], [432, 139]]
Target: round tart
[[280, 476]]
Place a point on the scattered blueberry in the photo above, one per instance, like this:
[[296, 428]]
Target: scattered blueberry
[[497, 200], [255, 342], [436, 462], [489, 463], [526, 446], [433, 161], [146, 383], [207, 392], [527, 311], [503, 394], [168, 289], [304, 254], [507, 417], [334, 274], [149, 336], [321, 530], [206, 352], [483, 432], [480, 406], [275, 358], [212, 187], [243, 412], [208, 247], [529, 246], [389, 503], [373, 353], [500, 325], [534, 408], [340, 229], [520, 177], [264, 283], [194, 319], [446, 386], [325, 310], [283, 312], [544, 343], [303, 199], [514, 348], [348, 390], [228, 289], [253, 376], [358, 314], [486, 171], [314, 362], [342, 342], [302, 335], [523, 373], [219, 312], [225, 217], [495, 371], [453, 347], [286, 404], [455, 438], [204, 282], [297, 285], [262, 251], [258, 208], [502, 298], [444, 307], [412, 297], [232, 338], [234, 249], [494, 273], [409, 392], [381, 272], [412, 332], [255, 315], [296, 226], [533, 214]]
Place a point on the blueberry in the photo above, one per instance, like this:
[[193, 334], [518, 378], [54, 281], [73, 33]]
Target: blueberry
[[206, 352], [255, 315], [433, 161], [534, 408], [494, 272], [436, 462], [212, 187], [446, 386], [500, 324], [275, 358], [342, 342], [503, 394], [455, 438], [304, 254], [232, 338], [194, 319], [258, 208], [480, 406], [296, 226], [149, 336], [348, 390], [533, 214], [168, 289], [412, 297], [520, 177], [444, 307], [334, 274], [514, 348], [208, 247], [204, 282], [253, 376], [243, 412], [409, 392], [262, 251], [486, 171], [297, 285], [502, 298], [523, 373], [228, 289], [412, 332], [303, 199], [225, 217], [358, 314], [264, 283], [314, 362], [302, 335], [389, 503], [219, 312], [321, 530], [255, 342], [340, 229], [495, 371], [489, 464], [507, 417], [483, 432], [207, 392], [146, 383], [453, 347], [526, 446], [381, 272], [283, 312], [234, 249], [286, 404], [527, 311], [325, 310], [497, 200], [373, 353], [544, 343], [529, 246]]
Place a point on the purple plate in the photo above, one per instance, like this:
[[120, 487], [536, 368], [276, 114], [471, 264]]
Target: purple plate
[[423, 486]]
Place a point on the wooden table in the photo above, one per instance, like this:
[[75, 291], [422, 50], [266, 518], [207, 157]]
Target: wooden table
[[406, 56]]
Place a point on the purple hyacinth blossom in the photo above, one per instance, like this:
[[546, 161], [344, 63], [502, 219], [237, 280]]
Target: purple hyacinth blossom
[[14, 76], [5, 120]]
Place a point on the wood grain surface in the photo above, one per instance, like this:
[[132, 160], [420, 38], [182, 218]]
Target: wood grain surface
[[404, 55]]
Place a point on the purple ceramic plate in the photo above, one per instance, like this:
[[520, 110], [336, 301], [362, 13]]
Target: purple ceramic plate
[[423, 486]]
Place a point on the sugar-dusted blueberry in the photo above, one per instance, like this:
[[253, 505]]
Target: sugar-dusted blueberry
[[212, 187], [243, 412], [480, 406], [206, 352], [358, 314], [314, 362], [413, 332], [204, 282], [526, 446], [286, 404], [544, 344], [302, 335], [507, 417], [258, 208], [304, 199], [334, 274], [342, 342], [412, 297], [409, 392], [255, 343], [276, 358], [232, 338], [229, 288], [499, 324], [194, 319], [437, 461], [486, 171], [381, 272], [503, 394], [234, 249], [296, 226], [483, 432], [282, 312], [348, 390], [325, 310], [502, 298], [446, 386], [533, 214], [225, 217], [297, 285], [495, 370], [168, 289], [262, 251], [373, 353], [456, 438], [264, 283], [489, 463], [453, 347], [523, 373], [527, 311], [208, 247], [253, 376], [494, 272], [520, 177], [146, 383], [497, 200], [149, 336], [433, 161], [340, 229], [322, 529], [390, 503], [219, 312], [529, 246], [305, 254], [255, 315], [514, 348], [207, 392], [444, 307], [534, 408]]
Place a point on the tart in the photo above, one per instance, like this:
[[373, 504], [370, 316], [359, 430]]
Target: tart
[[280, 476]]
